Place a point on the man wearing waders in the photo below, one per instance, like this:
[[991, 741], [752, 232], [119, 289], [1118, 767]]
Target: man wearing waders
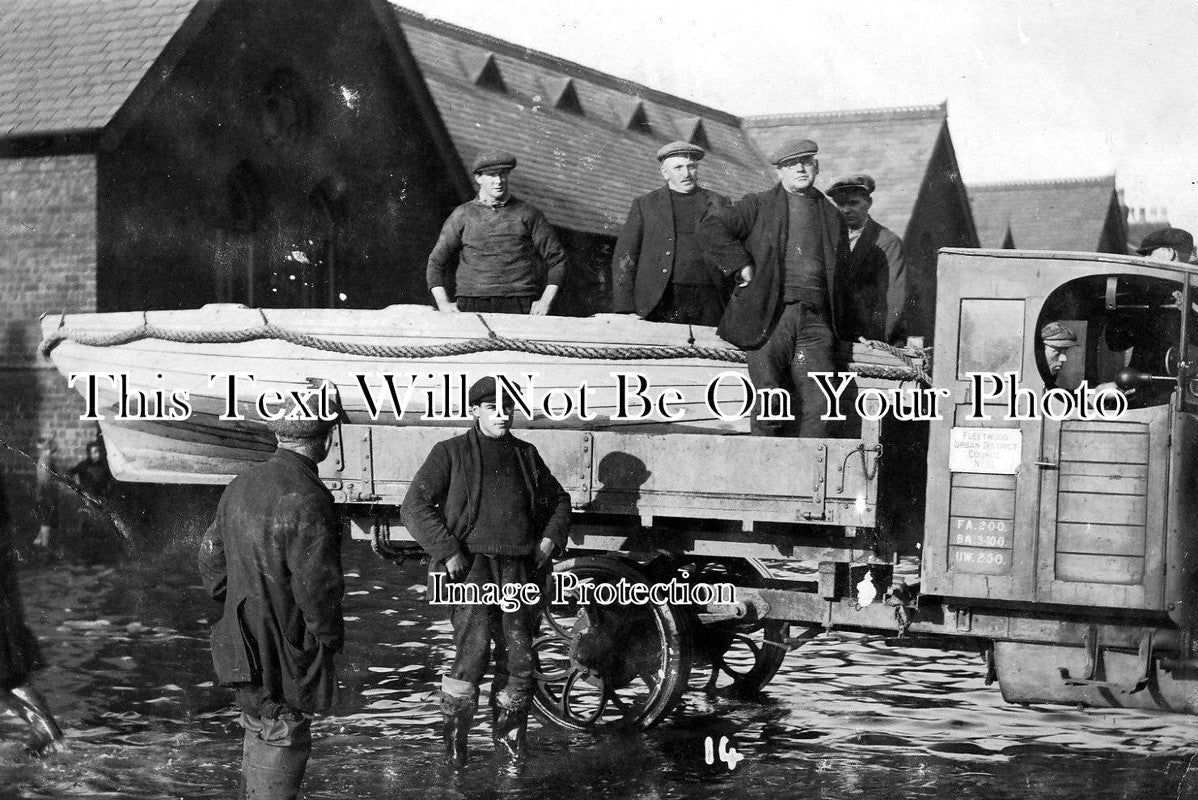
[[273, 558], [488, 511]]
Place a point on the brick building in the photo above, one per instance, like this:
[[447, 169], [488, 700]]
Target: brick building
[[1079, 215], [159, 154]]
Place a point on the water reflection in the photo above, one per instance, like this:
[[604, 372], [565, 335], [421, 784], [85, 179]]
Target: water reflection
[[130, 677]]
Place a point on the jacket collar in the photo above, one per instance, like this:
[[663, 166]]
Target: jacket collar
[[296, 460]]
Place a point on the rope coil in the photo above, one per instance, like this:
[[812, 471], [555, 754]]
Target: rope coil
[[493, 343]]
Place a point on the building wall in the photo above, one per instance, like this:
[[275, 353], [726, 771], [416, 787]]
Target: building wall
[[47, 265], [282, 163], [941, 219]]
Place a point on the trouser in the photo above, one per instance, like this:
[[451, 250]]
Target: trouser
[[275, 748], [496, 305], [476, 627], [800, 343], [693, 305]]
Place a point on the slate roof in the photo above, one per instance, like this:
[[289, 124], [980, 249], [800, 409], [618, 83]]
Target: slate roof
[[585, 139], [894, 145], [582, 169], [68, 65], [1044, 215]]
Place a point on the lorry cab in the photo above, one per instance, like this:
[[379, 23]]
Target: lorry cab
[[1041, 498]]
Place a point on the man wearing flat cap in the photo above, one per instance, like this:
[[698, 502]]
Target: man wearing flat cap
[[496, 239], [272, 558], [1058, 339], [790, 249], [1168, 244], [488, 512], [658, 269], [877, 301]]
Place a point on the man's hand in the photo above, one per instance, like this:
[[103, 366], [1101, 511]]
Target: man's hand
[[746, 276], [540, 308], [545, 552], [456, 566], [441, 298]]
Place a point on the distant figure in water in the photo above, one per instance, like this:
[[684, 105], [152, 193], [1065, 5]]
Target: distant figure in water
[[46, 496], [99, 538], [20, 655], [272, 557]]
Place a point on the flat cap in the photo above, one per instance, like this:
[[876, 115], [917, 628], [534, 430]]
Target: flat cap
[[793, 148], [493, 159], [681, 148], [482, 391], [852, 183], [1056, 332], [308, 423], [1167, 237]]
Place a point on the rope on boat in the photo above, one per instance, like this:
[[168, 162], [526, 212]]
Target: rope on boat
[[371, 350], [918, 371], [911, 370]]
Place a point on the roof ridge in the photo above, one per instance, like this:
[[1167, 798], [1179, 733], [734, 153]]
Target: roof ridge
[[1093, 180], [886, 112], [563, 65]]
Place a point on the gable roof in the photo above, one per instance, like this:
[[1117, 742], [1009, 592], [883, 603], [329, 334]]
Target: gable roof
[[67, 66], [894, 145], [581, 169], [1068, 214]]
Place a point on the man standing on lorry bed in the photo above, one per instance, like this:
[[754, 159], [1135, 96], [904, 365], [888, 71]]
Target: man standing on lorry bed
[[496, 239], [489, 513], [658, 268], [790, 247], [273, 558], [876, 270]]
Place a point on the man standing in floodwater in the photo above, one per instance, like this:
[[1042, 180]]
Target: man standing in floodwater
[[488, 511], [20, 655], [273, 558]]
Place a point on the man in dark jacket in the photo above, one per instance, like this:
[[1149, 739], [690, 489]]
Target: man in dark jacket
[[20, 655], [790, 248], [876, 306], [273, 558], [658, 269], [489, 513]]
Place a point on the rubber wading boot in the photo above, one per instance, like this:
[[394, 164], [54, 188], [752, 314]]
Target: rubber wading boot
[[31, 707], [457, 720], [269, 772], [509, 730]]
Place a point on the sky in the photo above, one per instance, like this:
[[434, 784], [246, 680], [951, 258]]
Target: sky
[[1036, 89]]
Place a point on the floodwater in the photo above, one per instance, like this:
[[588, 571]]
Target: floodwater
[[130, 678]]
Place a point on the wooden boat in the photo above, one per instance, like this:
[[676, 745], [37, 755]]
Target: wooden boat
[[428, 358], [151, 367]]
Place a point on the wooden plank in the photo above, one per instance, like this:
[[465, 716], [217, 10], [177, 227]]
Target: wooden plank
[[977, 480], [997, 412], [1110, 448], [1102, 426], [1096, 539], [1108, 509], [991, 503], [980, 532], [1087, 476], [979, 560], [1080, 568]]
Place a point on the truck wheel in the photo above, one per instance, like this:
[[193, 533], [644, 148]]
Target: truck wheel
[[599, 664], [734, 657]]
